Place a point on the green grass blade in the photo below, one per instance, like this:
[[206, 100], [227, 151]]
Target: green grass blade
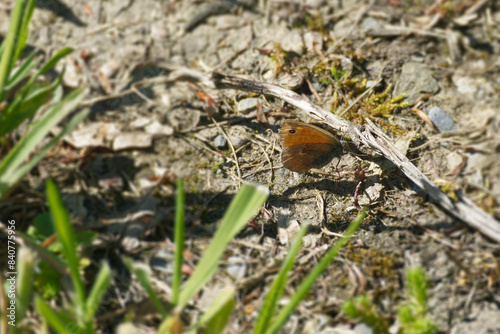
[[98, 291], [179, 242], [27, 102], [32, 88], [315, 273], [66, 234], [17, 174], [272, 298], [11, 43], [53, 60], [242, 208], [57, 322], [11, 166], [143, 278], [54, 261], [26, 263], [25, 107], [217, 315], [23, 38], [2, 47], [22, 71], [9, 119], [29, 64], [53, 142], [46, 67]]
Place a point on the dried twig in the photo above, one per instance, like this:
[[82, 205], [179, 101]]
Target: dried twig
[[268, 160], [238, 170]]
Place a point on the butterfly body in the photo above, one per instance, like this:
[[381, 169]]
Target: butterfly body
[[306, 146]]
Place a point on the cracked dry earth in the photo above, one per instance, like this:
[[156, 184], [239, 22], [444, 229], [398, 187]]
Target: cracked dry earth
[[117, 171]]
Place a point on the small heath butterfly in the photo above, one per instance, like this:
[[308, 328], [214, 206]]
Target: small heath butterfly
[[306, 146]]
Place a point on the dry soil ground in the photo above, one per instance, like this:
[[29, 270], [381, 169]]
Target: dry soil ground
[[118, 171]]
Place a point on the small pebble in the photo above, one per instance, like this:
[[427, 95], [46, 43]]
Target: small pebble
[[236, 267], [441, 120], [415, 81], [220, 142], [245, 106], [163, 261], [239, 141], [371, 24], [370, 83]]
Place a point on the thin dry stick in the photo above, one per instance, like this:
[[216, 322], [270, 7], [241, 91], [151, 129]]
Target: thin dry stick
[[206, 148], [144, 97], [232, 149], [268, 160], [241, 148], [370, 136], [311, 88]]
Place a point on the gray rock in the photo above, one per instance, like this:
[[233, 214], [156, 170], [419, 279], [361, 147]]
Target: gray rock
[[441, 120], [370, 83], [292, 41], [246, 106], [371, 194], [236, 267], [476, 179], [370, 24], [163, 261], [415, 81], [220, 141], [478, 161]]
